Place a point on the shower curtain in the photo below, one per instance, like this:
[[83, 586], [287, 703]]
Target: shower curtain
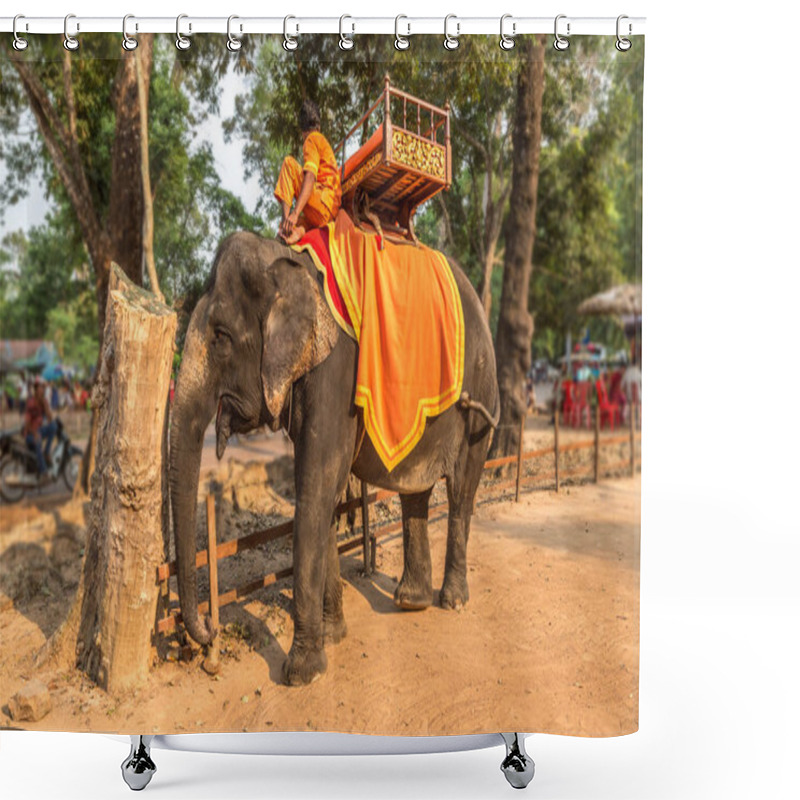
[[265, 311]]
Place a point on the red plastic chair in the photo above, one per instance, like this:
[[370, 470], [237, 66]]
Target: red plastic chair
[[615, 393], [609, 412], [581, 405]]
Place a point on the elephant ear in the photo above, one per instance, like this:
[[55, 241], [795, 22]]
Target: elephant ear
[[298, 332]]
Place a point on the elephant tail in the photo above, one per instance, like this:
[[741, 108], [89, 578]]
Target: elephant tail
[[465, 401]]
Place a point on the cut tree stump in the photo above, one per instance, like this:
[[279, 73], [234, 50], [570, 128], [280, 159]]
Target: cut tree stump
[[109, 628]]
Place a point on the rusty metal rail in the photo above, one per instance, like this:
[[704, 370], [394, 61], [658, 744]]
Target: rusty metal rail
[[367, 540]]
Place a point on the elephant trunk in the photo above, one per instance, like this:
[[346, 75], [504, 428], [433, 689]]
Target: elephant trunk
[[193, 409]]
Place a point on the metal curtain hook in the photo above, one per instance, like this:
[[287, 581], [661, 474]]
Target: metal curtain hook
[[233, 44], [401, 42], [345, 42], [560, 42], [181, 41], [623, 45], [128, 42], [451, 42], [70, 42], [506, 41], [19, 43], [289, 42]]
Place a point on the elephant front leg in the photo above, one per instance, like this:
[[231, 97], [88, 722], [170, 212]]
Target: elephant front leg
[[307, 660], [333, 624], [415, 590]]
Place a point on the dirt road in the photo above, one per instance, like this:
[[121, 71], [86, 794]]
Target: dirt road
[[548, 641]]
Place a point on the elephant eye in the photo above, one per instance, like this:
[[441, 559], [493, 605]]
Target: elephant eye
[[221, 335]]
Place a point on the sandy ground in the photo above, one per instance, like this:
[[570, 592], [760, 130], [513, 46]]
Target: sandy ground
[[548, 641]]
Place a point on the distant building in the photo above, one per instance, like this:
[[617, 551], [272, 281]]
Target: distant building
[[31, 355]]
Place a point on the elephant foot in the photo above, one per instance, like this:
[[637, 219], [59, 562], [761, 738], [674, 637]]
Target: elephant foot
[[302, 668], [411, 598], [334, 630], [454, 594]]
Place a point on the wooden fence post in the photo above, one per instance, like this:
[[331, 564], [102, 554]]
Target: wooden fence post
[[555, 447], [211, 662], [597, 443], [519, 455], [633, 440], [368, 561]]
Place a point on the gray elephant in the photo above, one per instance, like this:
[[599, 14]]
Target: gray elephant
[[262, 347]]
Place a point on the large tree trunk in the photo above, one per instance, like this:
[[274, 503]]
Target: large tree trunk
[[109, 629], [515, 324]]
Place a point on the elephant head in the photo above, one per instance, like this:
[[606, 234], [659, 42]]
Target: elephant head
[[261, 324]]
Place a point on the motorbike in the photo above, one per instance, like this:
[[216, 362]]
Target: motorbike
[[19, 472]]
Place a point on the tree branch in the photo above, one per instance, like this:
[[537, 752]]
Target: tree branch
[[69, 96], [58, 143], [467, 137]]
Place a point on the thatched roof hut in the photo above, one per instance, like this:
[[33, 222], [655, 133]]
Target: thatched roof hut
[[622, 300]]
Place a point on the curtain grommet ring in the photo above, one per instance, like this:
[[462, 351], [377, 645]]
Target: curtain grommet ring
[[182, 42], [345, 42], [70, 42], [19, 44], [451, 42], [233, 44], [623, 44], [289, 41], [507, 41], [560, 43], [129, 43], [401, 42]]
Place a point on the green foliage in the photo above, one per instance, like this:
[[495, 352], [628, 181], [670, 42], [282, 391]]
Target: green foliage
[[72, 327], [43, 270], [191, 208], [589, 200], [590, 177]]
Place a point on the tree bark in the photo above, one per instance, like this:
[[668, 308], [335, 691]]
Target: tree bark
[[110, 625], [515, 324]]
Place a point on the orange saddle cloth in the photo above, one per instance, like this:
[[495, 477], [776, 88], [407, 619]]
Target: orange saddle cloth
[[401, 304]]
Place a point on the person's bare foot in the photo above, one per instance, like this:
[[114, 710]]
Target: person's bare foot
[[296, 235]]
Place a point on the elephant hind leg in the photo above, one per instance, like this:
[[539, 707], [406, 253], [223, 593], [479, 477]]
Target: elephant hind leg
[[462, 485], [415, 590], [333, 625]]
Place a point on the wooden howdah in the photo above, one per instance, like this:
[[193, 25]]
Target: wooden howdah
[[406, 161]]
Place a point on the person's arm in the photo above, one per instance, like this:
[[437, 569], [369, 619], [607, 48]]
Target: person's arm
[[47, 411]]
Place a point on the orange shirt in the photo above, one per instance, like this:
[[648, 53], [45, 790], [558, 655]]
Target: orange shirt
[[318, 159]]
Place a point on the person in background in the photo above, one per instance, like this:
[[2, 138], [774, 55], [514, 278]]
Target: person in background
[[35, 430], [315, 186], [631, 385], [22, 394], [584, 373]]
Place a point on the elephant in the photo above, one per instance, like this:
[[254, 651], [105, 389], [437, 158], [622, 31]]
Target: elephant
[[263, 348]]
